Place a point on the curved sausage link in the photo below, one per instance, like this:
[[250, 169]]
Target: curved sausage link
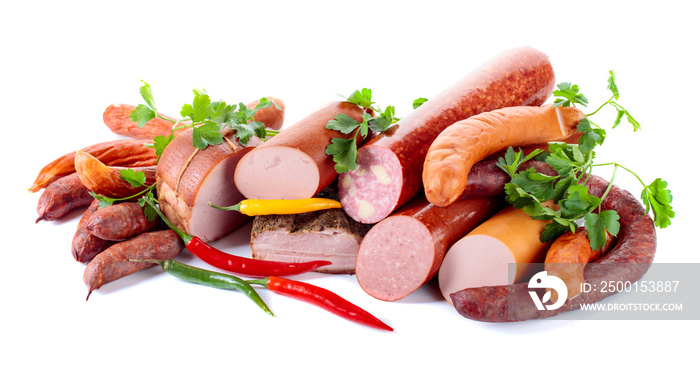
[[627, 261]]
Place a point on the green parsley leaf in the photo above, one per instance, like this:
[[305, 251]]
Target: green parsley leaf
[[658, 198], [539, 185], [207, 134], [344, 152], [104, 201], [419, 101], [343, 123], [512, 160], [383, 121], [134, 178], [569, 95], [150, 212], [612, 86], [142, 114], [147, 95], [555, 229], [596, 224], [160, 142], [361, 98], [201, 107], [578, 202]]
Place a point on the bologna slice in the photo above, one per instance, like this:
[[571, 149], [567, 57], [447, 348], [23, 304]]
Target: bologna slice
[[294, 164], [402, 252], [187, 179], [500, 251], [391, 165]]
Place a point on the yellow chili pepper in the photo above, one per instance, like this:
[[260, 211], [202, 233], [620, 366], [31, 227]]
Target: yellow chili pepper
[[280, 206]]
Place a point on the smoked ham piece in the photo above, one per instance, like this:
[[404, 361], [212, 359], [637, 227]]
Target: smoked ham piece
[[188, 178], [321, 235]]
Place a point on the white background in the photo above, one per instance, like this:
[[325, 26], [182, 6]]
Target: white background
[[64, 62]]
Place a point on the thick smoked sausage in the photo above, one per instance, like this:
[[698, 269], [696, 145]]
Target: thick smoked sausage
[[391, 165], [405, 250]]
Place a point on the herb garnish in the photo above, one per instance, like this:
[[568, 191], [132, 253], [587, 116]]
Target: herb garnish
[[528, 189], [344, 151], [207, 118]]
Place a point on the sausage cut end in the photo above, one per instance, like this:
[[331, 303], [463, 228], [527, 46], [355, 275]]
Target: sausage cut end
[[370, 192], [262, 170], [394, 258]]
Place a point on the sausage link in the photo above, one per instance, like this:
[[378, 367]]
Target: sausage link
[[627, 261], [62, 196], [114, 263], [85, 245], [121, 152], [120, 222], [391, 165]]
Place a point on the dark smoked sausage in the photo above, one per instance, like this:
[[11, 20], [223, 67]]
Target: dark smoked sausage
[[114, 262], [627, 261], [86, 246], [120, 222], [405, 250], [391, 165], [62, 196]]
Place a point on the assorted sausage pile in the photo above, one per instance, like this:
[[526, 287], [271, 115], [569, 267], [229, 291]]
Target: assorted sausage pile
[[426, 199]]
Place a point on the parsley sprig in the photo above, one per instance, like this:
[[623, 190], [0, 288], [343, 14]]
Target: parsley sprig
[[344, 151], [207, 118], [529, 189]]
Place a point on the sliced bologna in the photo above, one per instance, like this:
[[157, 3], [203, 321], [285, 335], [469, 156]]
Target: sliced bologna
[[500, 251], [391, 164], [187, 179], [294, 164], [405, 250]]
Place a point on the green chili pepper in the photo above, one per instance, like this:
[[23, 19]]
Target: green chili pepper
[[210, 278]]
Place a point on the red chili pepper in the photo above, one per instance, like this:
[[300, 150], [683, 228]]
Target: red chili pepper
[[323, 298], [244, 265], [237, 264]]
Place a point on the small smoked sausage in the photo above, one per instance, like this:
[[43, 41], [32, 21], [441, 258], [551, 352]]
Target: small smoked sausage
[[567, 257], [464, 143], [116, 117], [85, 245], [390, 167], [627, 261], [296, 157], [114, 262], [120, 222], [405, 250], [62, 196]]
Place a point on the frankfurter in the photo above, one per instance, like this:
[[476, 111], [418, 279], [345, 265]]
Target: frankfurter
[[62, 196], [461, 145], [502, 250], [568, 256], [116, 117], [85, 246], [296, 156], [627, 261], [391, 165], [119, 222], [403, 251]]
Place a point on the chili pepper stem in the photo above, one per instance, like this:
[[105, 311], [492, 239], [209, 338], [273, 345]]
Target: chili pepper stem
[[236, 207]]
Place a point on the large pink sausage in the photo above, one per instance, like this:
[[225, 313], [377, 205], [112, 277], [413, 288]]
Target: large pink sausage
[[391, 165], [402, 252], [294, 164]]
